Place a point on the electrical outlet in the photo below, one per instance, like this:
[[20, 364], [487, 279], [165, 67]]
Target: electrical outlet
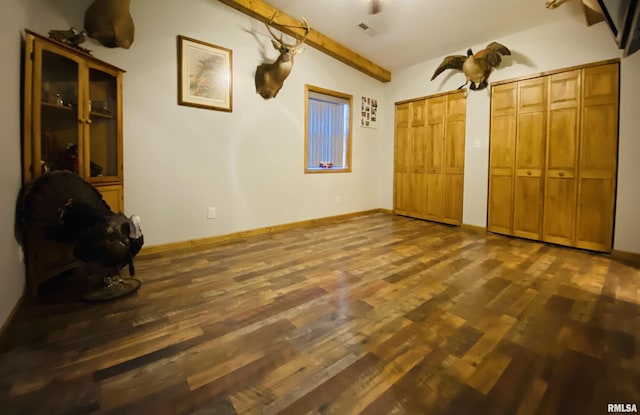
[[211, 213]]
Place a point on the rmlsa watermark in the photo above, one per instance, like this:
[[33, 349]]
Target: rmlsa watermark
[[622, 407]]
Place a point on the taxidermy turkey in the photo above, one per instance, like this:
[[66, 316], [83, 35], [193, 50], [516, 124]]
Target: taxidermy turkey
[[70, 210], [476, 67]]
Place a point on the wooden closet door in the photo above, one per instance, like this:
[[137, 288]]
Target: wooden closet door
[[561, 170], [453, 164], [417, 177], [436, 108], [530, 157], [402, 160], [502, 158], [598, 158]]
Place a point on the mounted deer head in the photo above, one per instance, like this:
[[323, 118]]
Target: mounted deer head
[[109, 22], [271, 76]]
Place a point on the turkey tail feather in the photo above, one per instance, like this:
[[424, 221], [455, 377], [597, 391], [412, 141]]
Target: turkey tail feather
[[61, 202], [69, 209]]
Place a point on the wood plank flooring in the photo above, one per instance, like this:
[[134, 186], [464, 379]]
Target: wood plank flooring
[[377, 314]]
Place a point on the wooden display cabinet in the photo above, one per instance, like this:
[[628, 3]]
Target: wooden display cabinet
[[72, 121]]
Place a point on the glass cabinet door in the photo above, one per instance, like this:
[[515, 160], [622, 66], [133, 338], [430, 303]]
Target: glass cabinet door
[[58, 116], [103, 132]]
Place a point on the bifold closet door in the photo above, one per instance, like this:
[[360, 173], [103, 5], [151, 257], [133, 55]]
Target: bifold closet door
[[561, 172], [418, 185], [410, 185], [597, 158], [436, 108], [502, 158], [553, 157], [530, 158], [429, 157], [402, 159], [453, 158]]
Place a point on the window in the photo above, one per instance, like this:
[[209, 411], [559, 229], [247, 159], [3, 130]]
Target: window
[[327, 146]]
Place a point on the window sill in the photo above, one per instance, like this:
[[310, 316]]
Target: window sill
[[327, 170]]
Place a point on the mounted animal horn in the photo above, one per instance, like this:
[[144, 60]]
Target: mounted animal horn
[[270, 76], [109, 22]]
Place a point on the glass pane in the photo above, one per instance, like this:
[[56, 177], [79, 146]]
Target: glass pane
[[59, 113], [103, 150], [328, 133]]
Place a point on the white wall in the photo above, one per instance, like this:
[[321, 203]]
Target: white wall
[[12, 276], [548, 47]]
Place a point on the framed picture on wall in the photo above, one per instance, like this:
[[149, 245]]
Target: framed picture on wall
[[368, 112], [204, 75]]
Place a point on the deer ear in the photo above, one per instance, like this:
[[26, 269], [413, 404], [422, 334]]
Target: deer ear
[[299, 49]]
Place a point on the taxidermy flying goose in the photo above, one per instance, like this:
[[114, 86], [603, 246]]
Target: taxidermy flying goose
[[70, 210], [476, 67]]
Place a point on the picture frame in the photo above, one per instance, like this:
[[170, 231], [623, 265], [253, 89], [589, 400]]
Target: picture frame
[[369, 112], [205, 76]]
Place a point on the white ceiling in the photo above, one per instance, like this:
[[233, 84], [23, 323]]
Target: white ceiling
[[412, 31]]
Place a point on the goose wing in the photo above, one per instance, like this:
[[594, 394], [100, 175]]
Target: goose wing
[[450, 62], [493, 53]]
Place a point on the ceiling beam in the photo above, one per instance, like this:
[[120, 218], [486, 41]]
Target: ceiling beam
[[262, 11]]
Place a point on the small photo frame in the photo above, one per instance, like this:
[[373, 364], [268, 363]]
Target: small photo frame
[[369, 112], [204, 75]]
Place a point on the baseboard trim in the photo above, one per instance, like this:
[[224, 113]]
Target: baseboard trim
[[194, 243], [632, 258], [475, 228]]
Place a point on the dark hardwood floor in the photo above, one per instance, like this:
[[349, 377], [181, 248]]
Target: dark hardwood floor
[[376, 314]]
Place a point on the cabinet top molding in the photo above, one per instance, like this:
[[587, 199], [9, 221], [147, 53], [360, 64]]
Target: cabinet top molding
[[78, 52], [262, 11]]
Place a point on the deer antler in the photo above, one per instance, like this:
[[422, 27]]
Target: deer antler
[[268, 24], [307, 29]]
